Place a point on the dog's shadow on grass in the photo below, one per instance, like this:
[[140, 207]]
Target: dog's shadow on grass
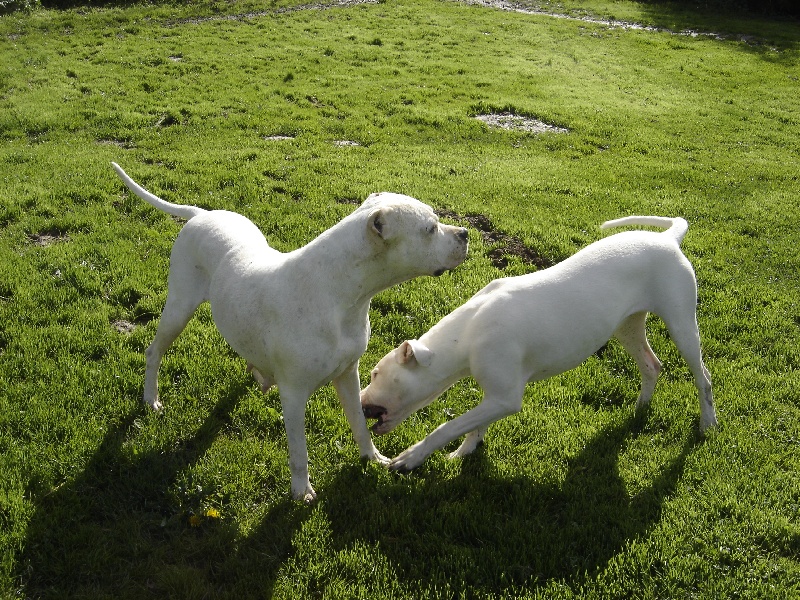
[[112, 531], [479, 530], [115, 531]]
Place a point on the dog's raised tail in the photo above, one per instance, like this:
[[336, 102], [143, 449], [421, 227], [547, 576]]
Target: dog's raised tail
[[178, 210], [676, 227]]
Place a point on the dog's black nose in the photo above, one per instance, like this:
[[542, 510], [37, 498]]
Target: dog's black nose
[[463, 234]]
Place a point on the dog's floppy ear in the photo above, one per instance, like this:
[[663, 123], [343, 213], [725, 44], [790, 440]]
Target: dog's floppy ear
[[377, 222], [380, 222], [414, 350]]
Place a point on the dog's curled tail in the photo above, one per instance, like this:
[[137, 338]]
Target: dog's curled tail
[[676, 227], [178, 210]]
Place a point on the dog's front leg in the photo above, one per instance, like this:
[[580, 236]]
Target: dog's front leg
[[478, 419], [294, 418], [473, 439], [348, 388]]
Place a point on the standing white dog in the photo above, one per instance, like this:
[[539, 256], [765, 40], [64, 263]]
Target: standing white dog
[[527, 328], [300, 319]]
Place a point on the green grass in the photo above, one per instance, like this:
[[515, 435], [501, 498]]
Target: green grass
[[577, 496]]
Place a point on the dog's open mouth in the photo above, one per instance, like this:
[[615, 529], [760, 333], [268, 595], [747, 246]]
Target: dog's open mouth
[[374, 412]]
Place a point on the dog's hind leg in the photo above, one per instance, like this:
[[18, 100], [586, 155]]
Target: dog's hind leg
[[686, 335], [264, 382], [632, 334], [184, 296]]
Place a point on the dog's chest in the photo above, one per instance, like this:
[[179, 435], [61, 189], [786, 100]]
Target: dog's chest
[[298, 343], [350, 338], [337, 345]]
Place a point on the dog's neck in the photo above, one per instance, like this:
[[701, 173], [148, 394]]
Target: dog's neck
[[344, 263], [450, 361]]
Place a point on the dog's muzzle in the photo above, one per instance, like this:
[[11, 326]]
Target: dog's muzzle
[[463, 244], [374, 412]]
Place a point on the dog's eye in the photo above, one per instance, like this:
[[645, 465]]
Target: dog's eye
[[373, 374], [431, 228]]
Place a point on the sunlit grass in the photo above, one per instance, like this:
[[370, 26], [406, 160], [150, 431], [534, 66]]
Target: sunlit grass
[[576, 495]]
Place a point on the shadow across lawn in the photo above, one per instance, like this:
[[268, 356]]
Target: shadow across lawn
[[113, 532], [760, 33], [481, 531], [478, 531]]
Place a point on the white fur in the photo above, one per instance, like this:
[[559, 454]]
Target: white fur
[[528, 328], [300, 319]]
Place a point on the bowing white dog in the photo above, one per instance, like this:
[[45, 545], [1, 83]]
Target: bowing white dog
[[300, 319], [527, 328]]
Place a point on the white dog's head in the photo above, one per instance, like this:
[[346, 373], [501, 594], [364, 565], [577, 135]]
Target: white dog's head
[[410, 237], [401, 383]]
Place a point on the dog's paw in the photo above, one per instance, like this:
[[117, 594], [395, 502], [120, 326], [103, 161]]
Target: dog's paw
[[378, 458], [306, 496], [461, 452], [407, 461], [154, 404], [399, 467]]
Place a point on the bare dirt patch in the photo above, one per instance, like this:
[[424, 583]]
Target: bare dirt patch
[[124, 144], [47, 238], [350, 200], [123, 326], [504, 245], [513, 122]]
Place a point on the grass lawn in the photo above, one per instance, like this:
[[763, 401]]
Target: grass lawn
[[292, 114]]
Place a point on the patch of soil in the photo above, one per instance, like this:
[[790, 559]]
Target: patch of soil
[[123, 326], [47, 238], [124, 144], [167, 120], [349, 200], [504, 244], [513, 122]]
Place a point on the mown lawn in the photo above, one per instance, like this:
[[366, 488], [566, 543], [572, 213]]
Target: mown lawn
[[292, 114]]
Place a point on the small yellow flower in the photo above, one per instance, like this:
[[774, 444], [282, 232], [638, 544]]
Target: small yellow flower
[[212, 513], [195, 520]]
